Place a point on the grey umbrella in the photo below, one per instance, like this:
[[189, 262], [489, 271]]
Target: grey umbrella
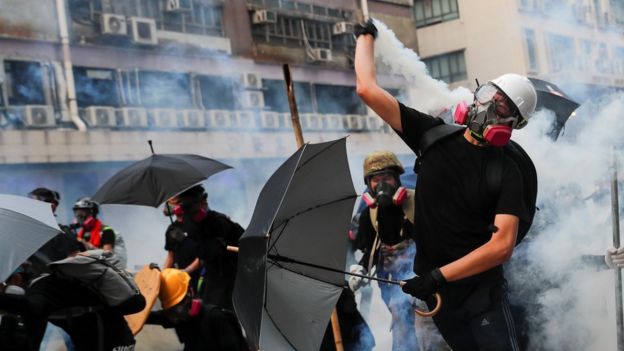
[[300, 221], [153, 180], [25, 225]]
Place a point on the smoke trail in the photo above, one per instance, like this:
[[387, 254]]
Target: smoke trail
[[573, 302], [427, 94]]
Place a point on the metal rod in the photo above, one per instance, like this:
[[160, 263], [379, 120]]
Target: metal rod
[[292, 103], [364, 5], [615, 217], [290, 260], [151, 146]]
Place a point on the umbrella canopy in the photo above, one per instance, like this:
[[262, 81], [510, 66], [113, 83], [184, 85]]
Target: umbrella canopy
[[152, 181], [25, 225], [550, 97], [302, 214]]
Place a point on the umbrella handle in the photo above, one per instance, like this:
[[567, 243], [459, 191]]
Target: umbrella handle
[[232, 248], [435, 310]]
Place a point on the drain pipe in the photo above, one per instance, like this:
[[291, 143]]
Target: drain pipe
[[67, 65]]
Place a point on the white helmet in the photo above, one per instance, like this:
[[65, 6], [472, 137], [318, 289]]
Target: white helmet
[[521, 92]]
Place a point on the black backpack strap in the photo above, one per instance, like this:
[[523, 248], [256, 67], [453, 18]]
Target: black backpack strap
[[432, 136], [436, 133], [494, 173]]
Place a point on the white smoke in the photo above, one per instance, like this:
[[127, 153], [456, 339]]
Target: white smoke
[[427, 94], [575, 300]]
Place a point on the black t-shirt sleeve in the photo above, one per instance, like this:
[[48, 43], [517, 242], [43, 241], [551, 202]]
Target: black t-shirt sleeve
[[414, 124], [170, 244], [365, 237], [511, 201], [108, 237]]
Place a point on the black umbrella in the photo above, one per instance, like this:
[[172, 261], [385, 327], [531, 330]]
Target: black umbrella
[[551, 97], [152, 181], [302, 216]]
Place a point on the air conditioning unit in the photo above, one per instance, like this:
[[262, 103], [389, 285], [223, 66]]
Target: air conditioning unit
[[264, 17], [312, 121], [165, 118], [373, 123], [252, 99], [354, 123], [143, 30], [246, 119], [219, 119], [334, 122], [112, 24], [342, 28], [178, 5], [193, 119], [251, 81], [272, 120], [39, 116], [322, 55], [132, 117], [100, 116]]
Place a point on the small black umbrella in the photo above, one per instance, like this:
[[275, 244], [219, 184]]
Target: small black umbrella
[[152, 181], [551, 97], [302, 216]]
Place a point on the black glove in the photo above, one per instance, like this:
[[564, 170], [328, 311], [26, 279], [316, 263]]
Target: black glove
[[366, 28], [424, 286]]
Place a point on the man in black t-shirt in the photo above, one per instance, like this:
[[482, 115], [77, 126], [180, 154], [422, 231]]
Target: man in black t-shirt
[[182, 252], [213, 231], [463, 232]]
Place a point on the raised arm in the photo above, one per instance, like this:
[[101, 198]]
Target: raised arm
[[384, 104]]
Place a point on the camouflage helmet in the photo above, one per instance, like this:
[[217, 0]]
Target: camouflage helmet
[[381, 160]]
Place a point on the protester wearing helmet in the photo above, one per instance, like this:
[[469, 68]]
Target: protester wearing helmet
[[199, 325], [62, 245], [93, 234], [464, 232], [385, 235], [213, 231]]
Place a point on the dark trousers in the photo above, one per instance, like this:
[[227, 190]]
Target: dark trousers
[[476, 317]]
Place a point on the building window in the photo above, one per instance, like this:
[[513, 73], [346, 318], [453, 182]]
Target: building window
[[449, 67], [531, 49], [299, 32], [428, 12], [338, 99], [165, 89], [217, 92], [276, 99], [561, 50], [585, 58], [603, 65], [95, 87], [199, 19], [24, 83]]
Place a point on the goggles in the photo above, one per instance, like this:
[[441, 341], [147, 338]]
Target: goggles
[[504, 107]]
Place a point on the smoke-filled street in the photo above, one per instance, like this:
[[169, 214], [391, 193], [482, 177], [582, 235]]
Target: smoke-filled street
[[311, 175]]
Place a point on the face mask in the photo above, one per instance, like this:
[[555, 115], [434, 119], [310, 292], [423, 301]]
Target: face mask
[[385, 195], [483, 122]]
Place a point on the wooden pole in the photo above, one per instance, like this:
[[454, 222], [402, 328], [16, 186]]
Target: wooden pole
[[615, 219], [292, 103]]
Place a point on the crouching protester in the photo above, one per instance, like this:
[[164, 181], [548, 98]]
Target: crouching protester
[[87, 296], [199, 325]]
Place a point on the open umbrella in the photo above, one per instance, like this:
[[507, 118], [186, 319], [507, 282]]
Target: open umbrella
[[25, 225], [551, 97], [152, 181], [302, 215]]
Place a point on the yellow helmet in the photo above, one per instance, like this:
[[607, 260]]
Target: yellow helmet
[[380, 160], [174, 285]]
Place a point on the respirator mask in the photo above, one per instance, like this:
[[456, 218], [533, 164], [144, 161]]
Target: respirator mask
[[490, 117]]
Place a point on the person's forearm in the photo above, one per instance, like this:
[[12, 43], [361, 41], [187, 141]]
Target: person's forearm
[[193, 266], [486, 257], [364, 62], [489, 255]]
